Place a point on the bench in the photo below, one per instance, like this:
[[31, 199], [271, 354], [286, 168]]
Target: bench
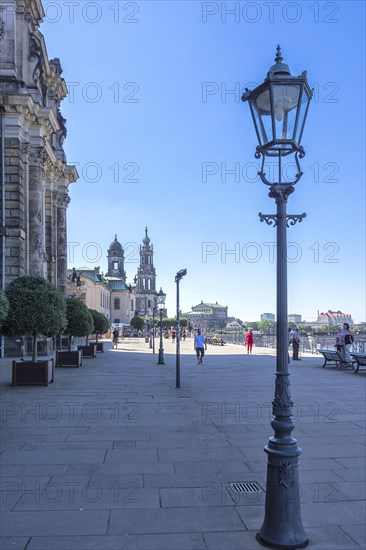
[[215, 341], [331, 356], [360, 359]]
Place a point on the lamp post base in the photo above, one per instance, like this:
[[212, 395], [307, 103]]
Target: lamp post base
[[282, 527], [161, 357], [269, 544]]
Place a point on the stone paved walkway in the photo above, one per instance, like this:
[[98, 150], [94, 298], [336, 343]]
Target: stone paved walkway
[[113, 456]]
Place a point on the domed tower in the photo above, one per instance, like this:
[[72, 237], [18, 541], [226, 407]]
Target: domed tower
[[116, 261], [146, 278]]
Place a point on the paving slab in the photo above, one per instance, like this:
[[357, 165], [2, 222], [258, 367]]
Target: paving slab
[[114, 456]]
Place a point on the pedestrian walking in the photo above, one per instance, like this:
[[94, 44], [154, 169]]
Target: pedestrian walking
[[199, 346], [115, 339], [249, 340]]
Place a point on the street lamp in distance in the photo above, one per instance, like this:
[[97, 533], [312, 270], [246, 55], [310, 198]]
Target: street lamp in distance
[[161, 305], [153, 333], [178, 277]]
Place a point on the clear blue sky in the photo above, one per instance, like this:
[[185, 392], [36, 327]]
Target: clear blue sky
[[149, 106]]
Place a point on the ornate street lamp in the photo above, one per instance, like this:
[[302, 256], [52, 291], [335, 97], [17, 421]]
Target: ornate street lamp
[[161, 305], [178, 277], [279, 108]]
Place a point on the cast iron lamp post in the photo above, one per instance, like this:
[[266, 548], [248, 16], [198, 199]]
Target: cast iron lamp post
[[153, 334], [178, 277], [160, 305], [279, 107]]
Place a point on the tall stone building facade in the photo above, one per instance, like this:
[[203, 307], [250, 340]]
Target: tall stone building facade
[[35, 176], [122, 296], [146, 279]]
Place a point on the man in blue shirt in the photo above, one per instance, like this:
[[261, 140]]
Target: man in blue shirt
[[199, 345]]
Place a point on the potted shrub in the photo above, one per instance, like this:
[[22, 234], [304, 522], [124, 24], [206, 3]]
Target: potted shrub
[[79, 323], [101, 326], [36, 307]]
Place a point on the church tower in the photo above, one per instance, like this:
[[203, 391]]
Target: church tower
[[116, 261], [146, 278]]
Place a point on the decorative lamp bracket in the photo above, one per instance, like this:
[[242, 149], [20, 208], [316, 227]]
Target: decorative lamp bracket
[[261, 152], [291, 219]]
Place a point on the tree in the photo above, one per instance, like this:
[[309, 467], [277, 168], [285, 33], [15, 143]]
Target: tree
[[35, 307], [137, 322], [267, 326], [79, 319], [305, 329], [4, 307], [100, 321], [172, 321]]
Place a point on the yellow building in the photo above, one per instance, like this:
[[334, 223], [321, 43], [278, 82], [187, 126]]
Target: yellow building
[[91, 287]]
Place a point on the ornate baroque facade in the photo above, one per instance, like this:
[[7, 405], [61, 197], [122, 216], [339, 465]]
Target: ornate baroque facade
[[36, 176]]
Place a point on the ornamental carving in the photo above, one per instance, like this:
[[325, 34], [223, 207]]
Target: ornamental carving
[[37, 156], [63, 200], [35, 56], [286, 474], [282, 403]]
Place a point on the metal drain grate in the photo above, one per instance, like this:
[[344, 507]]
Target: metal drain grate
[[245, 487]]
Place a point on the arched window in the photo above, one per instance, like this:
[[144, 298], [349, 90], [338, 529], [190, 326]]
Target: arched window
[[116, 321], [115, 265], [116, 304]]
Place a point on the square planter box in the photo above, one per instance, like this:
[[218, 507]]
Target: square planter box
[[27, 372], [89, 351], [69, 358], [100, 346]]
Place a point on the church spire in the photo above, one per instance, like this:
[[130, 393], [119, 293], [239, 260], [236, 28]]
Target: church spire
[[146, 240]]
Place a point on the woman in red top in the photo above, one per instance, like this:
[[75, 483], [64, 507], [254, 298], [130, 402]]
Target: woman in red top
[[249, 340]]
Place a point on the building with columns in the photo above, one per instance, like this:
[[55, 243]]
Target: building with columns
[[208, 316], [35, 176]]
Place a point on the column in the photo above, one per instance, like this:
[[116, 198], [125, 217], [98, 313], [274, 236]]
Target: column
[[61, 228], [37, 266]]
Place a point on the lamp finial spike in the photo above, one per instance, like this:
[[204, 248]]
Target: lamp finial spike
[[278, 57], [280, 68]]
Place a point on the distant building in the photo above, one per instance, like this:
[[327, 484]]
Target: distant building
[[267, 316], [122, 306], [234, 325], [294, 318], [90, 286], [110, 293], [333, 318], [207, 316], [146, 298]]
